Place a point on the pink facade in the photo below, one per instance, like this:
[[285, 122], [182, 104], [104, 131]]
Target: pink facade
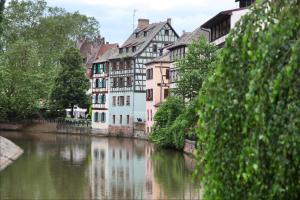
[[157, 88]]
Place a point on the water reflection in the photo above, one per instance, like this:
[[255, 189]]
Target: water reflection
[[74, 167]]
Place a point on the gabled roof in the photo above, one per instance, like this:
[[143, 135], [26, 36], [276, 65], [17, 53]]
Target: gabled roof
[[141, 42], [189, 37], [219, 17], [110, 51]]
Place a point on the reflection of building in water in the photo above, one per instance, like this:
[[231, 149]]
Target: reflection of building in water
[[116, 169], [73, 148], [152, 188]]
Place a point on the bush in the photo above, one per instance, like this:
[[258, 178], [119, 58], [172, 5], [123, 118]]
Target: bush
[[250, 109], [164, 117]]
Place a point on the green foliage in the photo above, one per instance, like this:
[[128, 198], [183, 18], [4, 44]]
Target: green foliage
[[164, 117], [194, 68], [192, 71], [2, 4], [34, 38], [250, 109], [71, 84]]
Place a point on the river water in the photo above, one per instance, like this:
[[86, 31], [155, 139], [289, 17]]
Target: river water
[[77, 167]]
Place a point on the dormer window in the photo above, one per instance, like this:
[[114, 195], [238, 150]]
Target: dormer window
[[145, 33], [136, 35], [133, 49], [121, 50], [166, 32]]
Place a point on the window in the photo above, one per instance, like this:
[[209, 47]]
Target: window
[[151, 117], [133, 49], [127, 49], [127, 119], [166, 93], [145, 33], [121, 82], [128, 64], [149, 74], [167, 73], [147, 115], [136, 35], [166, 32], [149, 94], [103, 116], [121, 119], [114, 101], [115, 82], [121, 67], [96, 98], [114, 66], [97, 83], [128, 101], [121, 50], [121, 100], [114, 119], [128, 81], [96, 117], [103, 83], [154, 48], [103, 99]]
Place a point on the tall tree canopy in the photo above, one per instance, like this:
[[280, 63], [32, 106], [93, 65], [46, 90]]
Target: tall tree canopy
[[33, 28], [194, 68], [250, 108], [71, 84], [2, 4]]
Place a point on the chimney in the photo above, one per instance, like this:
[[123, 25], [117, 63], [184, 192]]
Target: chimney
[[169, 20], [143, 22]]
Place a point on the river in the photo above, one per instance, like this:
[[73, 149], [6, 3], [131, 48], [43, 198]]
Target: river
[[56, 166]]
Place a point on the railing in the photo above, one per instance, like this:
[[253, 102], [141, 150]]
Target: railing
[[67, 121]]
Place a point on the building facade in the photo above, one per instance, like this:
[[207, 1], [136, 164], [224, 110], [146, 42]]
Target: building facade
[[127, 98], [100, 89], [157, 86]]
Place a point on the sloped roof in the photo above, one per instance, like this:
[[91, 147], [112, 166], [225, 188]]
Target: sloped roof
[[188, 37], [140, 42], [104, 48], [111, 51], [217, 18], [165, 58]]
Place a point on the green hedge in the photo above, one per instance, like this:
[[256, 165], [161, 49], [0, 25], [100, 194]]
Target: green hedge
[[250, 109]]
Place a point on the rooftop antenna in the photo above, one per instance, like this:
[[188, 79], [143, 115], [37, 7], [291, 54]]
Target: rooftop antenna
[[134, 11]]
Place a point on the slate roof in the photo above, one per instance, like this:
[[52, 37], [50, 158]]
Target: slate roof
[[165, 58], [188, 37], [111, 51], [141, 41]]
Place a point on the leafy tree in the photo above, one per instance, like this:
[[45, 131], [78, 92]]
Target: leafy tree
[[194, 68], [43, 33], [250, 110], [71, 84]]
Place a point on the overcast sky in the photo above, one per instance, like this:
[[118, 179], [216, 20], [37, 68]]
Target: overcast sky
[[116, 16]]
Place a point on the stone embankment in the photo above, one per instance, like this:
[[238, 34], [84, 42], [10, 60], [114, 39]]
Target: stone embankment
[[9, 152]]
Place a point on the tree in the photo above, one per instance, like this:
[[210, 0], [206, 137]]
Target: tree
[[249, 126], [71, 84], [194, 68], [2, 4], [34, 38]]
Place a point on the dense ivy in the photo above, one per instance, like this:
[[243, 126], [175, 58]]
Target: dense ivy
[[250, 108]]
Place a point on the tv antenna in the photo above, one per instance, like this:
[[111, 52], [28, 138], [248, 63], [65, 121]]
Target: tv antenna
[[134, 11]]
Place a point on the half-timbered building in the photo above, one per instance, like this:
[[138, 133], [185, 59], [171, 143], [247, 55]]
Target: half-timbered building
[[100, 88], [128, 73]]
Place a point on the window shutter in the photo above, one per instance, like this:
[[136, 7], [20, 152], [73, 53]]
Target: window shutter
[[104, 117], [104, 99]]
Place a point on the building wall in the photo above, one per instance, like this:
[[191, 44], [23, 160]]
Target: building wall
[[159, 72]]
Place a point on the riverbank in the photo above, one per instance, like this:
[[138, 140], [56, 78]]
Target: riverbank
[[45, 126], [9, 152]]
